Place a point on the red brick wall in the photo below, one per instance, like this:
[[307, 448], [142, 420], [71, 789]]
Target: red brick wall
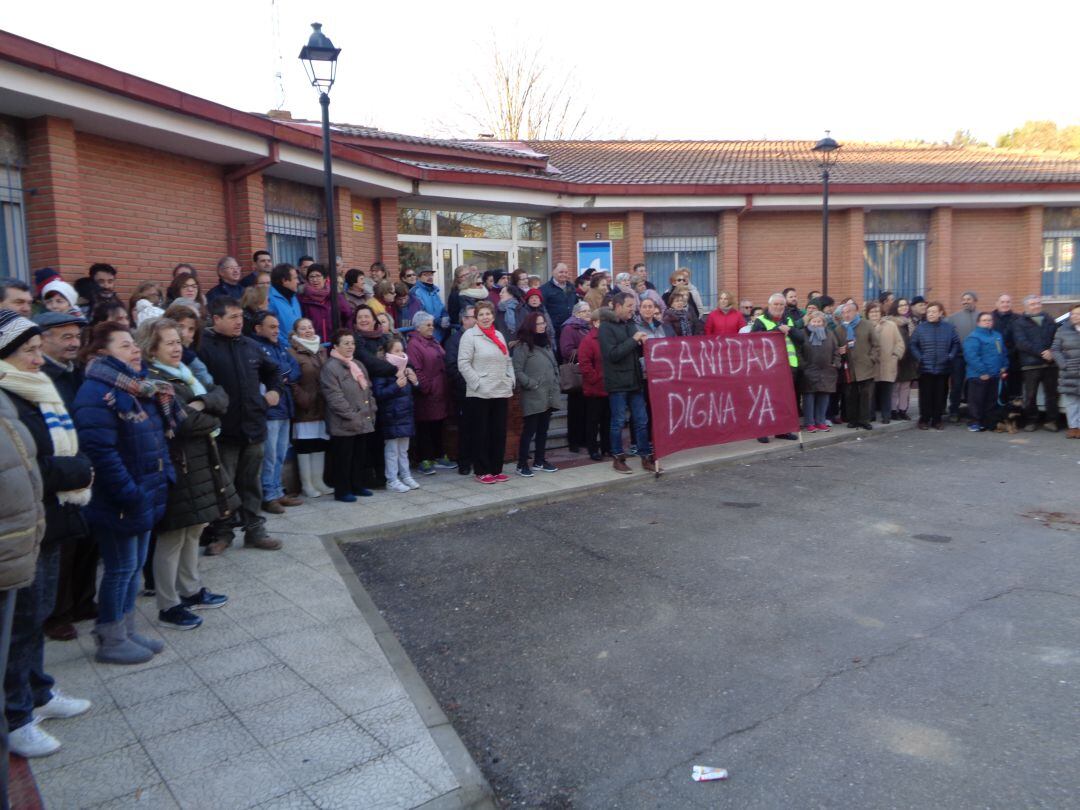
[[780, 249], [598, 223], [386, 237], [144, 210], [359, 247], [54, 216], [563, 244], [635, 238], [991, 254], [249, 224]]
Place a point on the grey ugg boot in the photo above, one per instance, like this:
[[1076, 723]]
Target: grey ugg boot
[[114, 646], [152, 644]]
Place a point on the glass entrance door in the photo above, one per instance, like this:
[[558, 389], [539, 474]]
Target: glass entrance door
[[487, 254]]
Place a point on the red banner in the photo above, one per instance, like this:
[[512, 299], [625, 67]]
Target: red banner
[[715, 390]]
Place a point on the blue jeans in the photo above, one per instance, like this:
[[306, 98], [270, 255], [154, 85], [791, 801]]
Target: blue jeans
[[639, 421], [277, 447], [123, 557], [26, 684], [815, 408]]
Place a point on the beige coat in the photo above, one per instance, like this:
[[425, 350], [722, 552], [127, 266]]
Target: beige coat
[[488, 373], [350, 409], [890, 350], [22, 511]]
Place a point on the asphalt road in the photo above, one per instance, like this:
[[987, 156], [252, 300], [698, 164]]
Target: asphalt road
[[882, 623]]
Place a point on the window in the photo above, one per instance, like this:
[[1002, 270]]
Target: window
[[412, 255], [533, 260], [290, 236], [894, 262], [414, 222], [664, 255], [1061, 264], [473, 225], [14, 261]]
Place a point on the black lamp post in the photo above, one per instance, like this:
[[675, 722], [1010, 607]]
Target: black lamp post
[[320, 61], [826, 152]]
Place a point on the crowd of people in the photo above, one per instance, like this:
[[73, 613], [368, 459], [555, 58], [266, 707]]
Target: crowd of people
[[139, 434]]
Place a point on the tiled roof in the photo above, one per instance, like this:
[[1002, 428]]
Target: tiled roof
[[793, 163]]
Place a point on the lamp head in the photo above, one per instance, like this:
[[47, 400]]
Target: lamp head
[[825, 149], [320, 59]]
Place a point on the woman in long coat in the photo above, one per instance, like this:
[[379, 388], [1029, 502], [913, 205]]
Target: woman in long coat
[[432, 401], [350, 417], [890, 350], [537, 375]]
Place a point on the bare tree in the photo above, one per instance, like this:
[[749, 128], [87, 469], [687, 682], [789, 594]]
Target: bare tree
[[523, 97]]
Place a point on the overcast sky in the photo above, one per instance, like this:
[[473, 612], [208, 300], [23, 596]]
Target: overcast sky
[[865, 70]]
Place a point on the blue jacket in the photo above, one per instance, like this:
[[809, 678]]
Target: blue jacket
[[935, 345], [290, 373], [426, 297], [394, 419], [287, 311], [132, 466], [984, 353], [558, 301]]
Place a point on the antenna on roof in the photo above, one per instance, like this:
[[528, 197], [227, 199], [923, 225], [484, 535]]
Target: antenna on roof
[[275, 21]]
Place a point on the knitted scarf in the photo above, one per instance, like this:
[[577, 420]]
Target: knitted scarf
[[494, 336], [357, 373], [37, 387], [680, 319], [850, 327], [817, 335], [399, 362], [313, 345], [122, 377]]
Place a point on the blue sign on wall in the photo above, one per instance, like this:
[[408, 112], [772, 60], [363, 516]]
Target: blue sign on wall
[[596, 255]]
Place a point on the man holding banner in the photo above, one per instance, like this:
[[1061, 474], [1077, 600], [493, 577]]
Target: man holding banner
[[620, 346], [778, 319]]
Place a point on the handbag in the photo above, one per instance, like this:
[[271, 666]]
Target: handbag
[[570, 375]]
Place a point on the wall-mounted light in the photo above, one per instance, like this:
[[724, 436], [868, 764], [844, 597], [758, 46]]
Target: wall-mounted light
[[584, 225]]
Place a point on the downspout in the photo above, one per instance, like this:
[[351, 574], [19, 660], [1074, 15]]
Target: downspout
[[749, 204], [230, 194]]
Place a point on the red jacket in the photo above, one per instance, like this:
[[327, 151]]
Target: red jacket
[[592, 367], [432, 396], [724, 323]]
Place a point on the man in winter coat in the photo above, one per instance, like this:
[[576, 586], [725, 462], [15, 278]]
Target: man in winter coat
[[964, 319], [559, 296], [278, 417], [1003, 320], [620, 345], [776, 319], [240, 366], [61, 333], [228, 270], [1033, 334], [426, 296], [283, 301]]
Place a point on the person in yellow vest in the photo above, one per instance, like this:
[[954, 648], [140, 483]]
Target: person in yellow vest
[[775, 320]]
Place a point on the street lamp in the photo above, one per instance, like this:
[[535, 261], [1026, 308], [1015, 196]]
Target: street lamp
[[320, 61], [826, 153]]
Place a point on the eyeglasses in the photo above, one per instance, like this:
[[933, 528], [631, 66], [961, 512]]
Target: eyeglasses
[[410, 275]]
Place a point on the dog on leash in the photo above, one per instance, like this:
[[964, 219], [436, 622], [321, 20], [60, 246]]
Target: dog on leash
[[1012, 413]]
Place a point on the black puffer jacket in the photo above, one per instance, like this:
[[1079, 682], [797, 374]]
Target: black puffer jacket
[[240, 366], [1032, 339], [202, 491], [58, 474]]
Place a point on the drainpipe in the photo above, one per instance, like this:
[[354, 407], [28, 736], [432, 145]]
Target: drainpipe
[[230, 194], [749, 204]]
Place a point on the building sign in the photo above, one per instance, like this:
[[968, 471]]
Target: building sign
[[715, 390], [615, 230], [358, 220], [594, 255]]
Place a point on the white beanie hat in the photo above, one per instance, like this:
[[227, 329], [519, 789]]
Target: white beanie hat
[[58, 285]]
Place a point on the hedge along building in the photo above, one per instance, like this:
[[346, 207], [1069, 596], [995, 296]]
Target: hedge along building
[[100, 165]]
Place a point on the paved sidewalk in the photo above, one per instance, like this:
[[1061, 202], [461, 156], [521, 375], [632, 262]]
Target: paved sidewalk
[[296, 694]]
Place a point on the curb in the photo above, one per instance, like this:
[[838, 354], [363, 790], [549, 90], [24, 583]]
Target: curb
[[453, 516]]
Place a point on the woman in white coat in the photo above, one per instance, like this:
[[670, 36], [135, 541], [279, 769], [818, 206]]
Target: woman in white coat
[[485, 365]]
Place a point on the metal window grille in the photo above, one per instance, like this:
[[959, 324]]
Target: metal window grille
[[290, 235], [665, 254], [894, 262], [14, 259]]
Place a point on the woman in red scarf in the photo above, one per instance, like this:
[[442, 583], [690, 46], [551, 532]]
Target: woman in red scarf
[[485, 364]]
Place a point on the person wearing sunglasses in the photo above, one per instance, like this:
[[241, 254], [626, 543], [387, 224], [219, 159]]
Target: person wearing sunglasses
[[680, 280]]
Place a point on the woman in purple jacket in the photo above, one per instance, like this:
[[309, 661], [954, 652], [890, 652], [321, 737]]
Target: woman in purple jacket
[[432, 396]]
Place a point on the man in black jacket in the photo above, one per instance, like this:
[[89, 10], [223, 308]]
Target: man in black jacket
[[620, 346], [1003, 320], [61, 335], [239, 366], [1032, 334], [559, 296]]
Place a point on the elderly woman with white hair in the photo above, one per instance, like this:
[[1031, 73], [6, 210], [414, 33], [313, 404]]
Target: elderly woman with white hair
[[574, 330]]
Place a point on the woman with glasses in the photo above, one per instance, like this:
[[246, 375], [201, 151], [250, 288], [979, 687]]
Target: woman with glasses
[[185, 286], [408, 277], [680, 280]]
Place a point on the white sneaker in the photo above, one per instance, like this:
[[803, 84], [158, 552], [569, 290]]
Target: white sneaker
[[62, 705], [397, 486], [31, 741], [410, 482]]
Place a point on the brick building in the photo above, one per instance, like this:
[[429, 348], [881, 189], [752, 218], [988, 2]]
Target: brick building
[[99, 165]]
